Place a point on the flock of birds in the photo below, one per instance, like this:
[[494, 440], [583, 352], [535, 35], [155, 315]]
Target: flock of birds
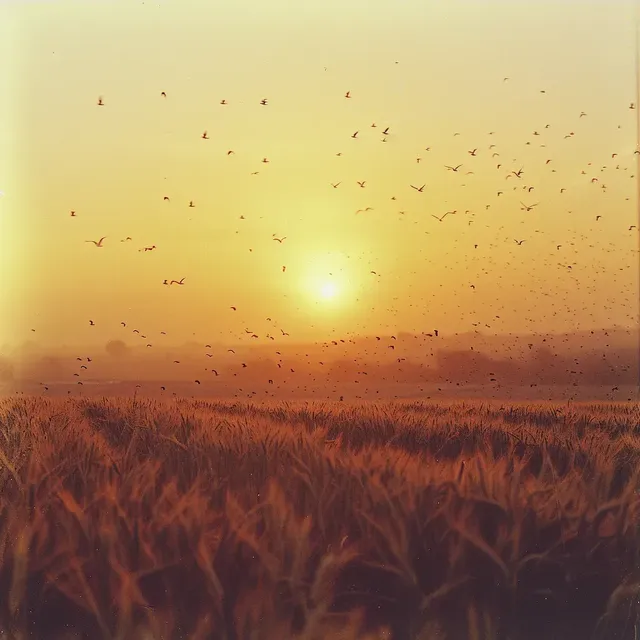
[[516, 174]]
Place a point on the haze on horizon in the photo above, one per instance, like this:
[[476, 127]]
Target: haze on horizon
[[425, 70]]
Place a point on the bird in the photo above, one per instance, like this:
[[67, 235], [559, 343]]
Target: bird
[[452, 168], [181, 281], [633, 226], [598, 218], [518, 173], [418, 189], [223, 101], [361, 183], [233, 308], [386, 132], [230, 152], [191, 204], [100, 102], [163, 94], [205, 136], [336, 185], [72, 214], [92, 323], [263, 102], [355, 135], [519, 242], [348, 94], [527, 207], [98, 243], [214, 371], [443, 217], [280, 240], [472, 152], [265, 160], [197, 381], [166, 199]]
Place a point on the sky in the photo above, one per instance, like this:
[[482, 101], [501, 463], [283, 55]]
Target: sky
[[427, 70]]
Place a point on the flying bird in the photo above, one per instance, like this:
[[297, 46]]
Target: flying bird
[[443, 217], [100, 102], [418, 189], [355, 135], [163, 94], [98, 243], [280, 240], [181, 281], [452, 168], [336, 185], [263, 102], [205, 136]]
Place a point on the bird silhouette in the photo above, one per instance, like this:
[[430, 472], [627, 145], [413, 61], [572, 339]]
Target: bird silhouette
[[98, 243]]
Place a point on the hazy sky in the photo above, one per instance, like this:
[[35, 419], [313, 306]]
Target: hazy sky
[[425, 69]]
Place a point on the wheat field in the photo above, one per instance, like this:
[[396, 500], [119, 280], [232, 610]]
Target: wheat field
[[137, 518]]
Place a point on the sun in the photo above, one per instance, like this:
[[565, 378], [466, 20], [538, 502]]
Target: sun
[[328, 290], [324, 280]]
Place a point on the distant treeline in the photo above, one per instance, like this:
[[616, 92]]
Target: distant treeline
[[472, 367]]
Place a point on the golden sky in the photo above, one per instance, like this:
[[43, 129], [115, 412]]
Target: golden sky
[[425, 69]]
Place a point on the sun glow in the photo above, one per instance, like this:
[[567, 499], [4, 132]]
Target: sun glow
[[324, 279], [328, 290]]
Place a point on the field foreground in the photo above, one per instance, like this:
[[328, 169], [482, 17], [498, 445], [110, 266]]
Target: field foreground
[[191, 519]]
